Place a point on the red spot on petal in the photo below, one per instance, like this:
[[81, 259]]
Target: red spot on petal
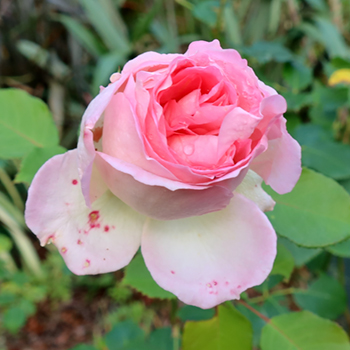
[[106, 228], [74, 182], [50, 239], [87, 263], [227, 283], [79, 242], [238, 286], [209, 285], [93, 219], [63, 250], [232, 292], [173, 272], [97, 132], [215, 283]]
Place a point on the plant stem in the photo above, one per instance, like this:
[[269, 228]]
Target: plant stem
[[281, 292], [11, 189], [256, 312]]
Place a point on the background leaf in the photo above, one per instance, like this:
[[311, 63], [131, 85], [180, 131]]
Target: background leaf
[[325, 297], [21, 115], [303, 331], [229, 330], [284, 262], [314, 214], [322, 153], [34, 160]]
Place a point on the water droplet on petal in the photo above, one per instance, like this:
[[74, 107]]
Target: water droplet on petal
[[188, 150]]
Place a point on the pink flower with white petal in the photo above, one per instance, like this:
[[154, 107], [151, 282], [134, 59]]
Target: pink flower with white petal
[[171, 157]]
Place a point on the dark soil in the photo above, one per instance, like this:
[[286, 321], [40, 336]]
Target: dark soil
[[60, 327]]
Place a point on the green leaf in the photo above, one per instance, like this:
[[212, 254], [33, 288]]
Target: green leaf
[[43, 58], [5, 243], [105, 26], [138, 277], [303, 331], [265, 51], [27, 306], [34, 160], [6, 298], [25, 123], [231, 25], [314, 214], [301, 255], [13, 319], [341, 249], [284, 262], [297, 75], [84, 36], [297, 101], [83, 347], [160, 339], [329, 98], [270, 308], [106, 65], [345, 184], [325, 297], [206, 11], [331, 37], [143, 23], [124, 336], [322, 153], [229, 330], [192, 313]]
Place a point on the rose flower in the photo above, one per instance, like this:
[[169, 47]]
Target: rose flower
[[171, 157]]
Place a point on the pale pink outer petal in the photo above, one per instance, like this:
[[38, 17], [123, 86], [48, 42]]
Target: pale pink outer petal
[[280, 164], [208, 259], [93, 240], [86, 149], [250, 188], [147, 194]]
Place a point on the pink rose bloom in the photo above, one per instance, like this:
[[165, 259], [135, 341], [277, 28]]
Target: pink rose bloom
[[171, 157]]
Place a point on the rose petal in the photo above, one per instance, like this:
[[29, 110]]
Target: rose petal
[[86, 148], [93, 240], [271, 108], [122, 140], [208, 259], [237, 125], [148, 61], [200, 46], [195, 150], [250, 188], [158, 197], [280, 164]]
